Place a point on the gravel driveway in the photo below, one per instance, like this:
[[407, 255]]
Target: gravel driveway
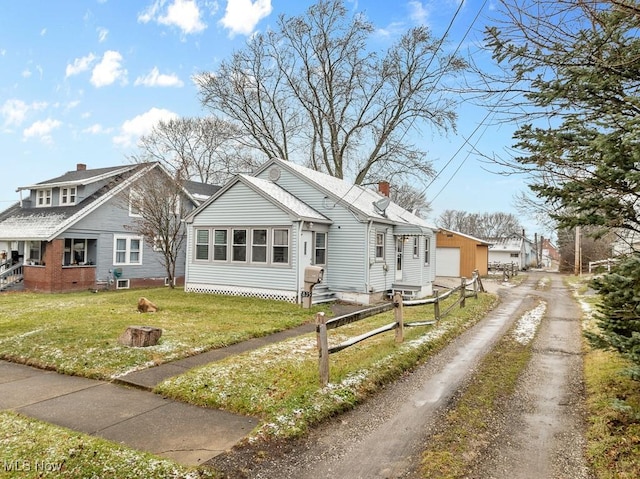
[[539, 436]]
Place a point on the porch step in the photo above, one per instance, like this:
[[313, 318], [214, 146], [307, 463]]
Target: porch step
[[322, 294], [408, 291]]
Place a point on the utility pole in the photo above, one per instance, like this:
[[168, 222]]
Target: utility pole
[[577, 269]]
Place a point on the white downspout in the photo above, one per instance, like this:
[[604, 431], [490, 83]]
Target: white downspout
[[367, 264], [299, 261]]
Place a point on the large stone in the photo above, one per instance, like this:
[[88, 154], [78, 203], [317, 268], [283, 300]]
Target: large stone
[[140, 336], [146, 306]]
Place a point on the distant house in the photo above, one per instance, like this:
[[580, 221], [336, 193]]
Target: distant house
[[459, 255], [257, 235], [73, 232], [549, 253], [514, 248]]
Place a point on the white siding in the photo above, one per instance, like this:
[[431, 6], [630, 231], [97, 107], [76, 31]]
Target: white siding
[[240, 206], [346, 240]]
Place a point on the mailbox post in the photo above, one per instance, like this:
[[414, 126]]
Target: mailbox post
[[312, 276]]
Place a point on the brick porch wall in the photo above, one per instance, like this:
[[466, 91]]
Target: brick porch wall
[[55, 278]]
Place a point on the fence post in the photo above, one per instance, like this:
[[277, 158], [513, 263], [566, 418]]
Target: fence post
[[323, 348], [475, 284], [436, 307], [481, 286], [398, 313], [463, 291]]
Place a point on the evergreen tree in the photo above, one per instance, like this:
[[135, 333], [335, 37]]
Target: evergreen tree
[[578, 64], [575, 70], [618, 314]]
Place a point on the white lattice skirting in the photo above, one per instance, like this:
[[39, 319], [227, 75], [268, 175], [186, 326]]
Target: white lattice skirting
[[277, 294]]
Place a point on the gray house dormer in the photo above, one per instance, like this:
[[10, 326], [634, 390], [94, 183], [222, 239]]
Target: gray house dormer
[[74, 232]]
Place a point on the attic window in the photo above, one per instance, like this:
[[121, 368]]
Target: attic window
[[43, 198], [68, 196]]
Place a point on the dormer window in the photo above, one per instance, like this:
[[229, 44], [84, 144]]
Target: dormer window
[[43, 198], [68, 196]]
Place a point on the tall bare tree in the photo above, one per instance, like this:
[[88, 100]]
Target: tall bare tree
[[158, 204], [480, 225], [204, 149], [312, 91]]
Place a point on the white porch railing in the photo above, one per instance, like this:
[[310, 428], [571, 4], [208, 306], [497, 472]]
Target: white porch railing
[[10, 275]]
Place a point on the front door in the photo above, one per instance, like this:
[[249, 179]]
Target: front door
[[399, 253]]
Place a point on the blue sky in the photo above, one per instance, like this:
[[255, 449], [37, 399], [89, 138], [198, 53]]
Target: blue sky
[[83, 79]]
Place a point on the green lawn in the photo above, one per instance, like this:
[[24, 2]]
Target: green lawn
[[76, 333], [280, 383]]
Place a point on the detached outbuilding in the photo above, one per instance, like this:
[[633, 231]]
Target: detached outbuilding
[[258, 235], [458, 254]]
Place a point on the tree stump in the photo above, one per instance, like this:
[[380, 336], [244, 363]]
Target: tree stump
[[140, 336]]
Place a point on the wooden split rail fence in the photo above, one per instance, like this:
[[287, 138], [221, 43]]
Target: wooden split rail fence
[[397, 304]]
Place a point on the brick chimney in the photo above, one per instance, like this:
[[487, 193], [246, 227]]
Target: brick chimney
[[384, 188], [81, 167]]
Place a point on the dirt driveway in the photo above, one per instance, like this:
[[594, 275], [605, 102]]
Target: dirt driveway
[[540, 436]]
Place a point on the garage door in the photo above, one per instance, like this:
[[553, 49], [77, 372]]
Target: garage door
[[448, 262]]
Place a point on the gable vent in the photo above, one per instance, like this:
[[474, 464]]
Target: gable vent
[[274, 173]]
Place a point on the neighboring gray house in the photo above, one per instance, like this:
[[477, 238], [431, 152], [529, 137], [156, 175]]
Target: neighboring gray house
[[515, 248], [70, 232], [257, 234]]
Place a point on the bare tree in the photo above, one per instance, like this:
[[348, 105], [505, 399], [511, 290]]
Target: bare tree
[[411, 199], [205, 149], [158, 203], [480, 225], [312, 91]]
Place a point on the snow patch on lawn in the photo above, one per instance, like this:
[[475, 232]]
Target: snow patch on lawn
[[527, 325]]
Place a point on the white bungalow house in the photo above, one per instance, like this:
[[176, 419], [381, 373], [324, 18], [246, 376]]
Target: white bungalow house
[[514, 248], [258, 233]]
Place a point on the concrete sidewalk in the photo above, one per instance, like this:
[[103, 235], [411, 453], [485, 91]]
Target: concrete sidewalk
[[187, 434]]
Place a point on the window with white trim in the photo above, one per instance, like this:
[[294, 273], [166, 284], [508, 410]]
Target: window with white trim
[[135, 203], [280, 246], [127, 250], [380, 240], [43, 198], [319, 248], [202, 245], [68, 196], [259, 246], [239, 246], [427, 250], [220, 245], [416, 247]]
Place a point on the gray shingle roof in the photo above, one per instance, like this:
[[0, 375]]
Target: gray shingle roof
[[358, 197]]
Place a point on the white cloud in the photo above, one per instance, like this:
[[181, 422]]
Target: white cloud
[[80, 65], [15, 111], [41, 130], [95, 129], [142, 124], [418, 13], [26, 73], [155, 78], [102, 34], [109, 70], [242, 16], [183, 14]]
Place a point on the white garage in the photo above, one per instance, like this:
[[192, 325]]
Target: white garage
[[448, 262]]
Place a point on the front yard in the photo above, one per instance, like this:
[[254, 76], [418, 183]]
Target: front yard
[[77, 334]]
